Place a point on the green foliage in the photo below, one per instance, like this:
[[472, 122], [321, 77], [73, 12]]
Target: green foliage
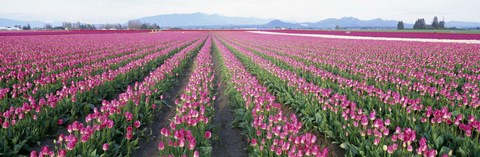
[[400, 25], [435, 23], [419, 24]]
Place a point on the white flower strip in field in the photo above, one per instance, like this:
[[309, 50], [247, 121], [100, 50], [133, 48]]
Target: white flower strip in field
[[372, 38]]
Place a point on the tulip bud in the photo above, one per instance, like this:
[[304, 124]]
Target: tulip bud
[[136, 124], [161, 146], [62, 153], [105, 147], [33, 154], [196, 154], [208, 134]]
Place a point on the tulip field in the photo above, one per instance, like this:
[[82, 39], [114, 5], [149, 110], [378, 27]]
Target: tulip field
[[101, 94]]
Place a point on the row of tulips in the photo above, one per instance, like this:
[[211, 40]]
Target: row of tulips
[[431, 85], [428, 85], [297, 93], [31, 57], [444, 137], [189, 132], [32, 121], [17, 81], [406, 104], [40, 70], [315, 116], [50, 83], [45, 79], [115, 128], [437, 137], [269, 130]]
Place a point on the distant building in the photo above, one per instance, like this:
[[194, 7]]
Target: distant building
[[9, 28]]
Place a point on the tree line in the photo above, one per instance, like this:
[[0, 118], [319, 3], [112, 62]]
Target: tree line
[[27, 27], [421, 24], [136, 24], [131, 25]]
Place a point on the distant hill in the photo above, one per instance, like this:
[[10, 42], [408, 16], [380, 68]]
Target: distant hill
[[281, 24], [10, 22], [352, 22], [217, 21], [460, 24], [201, 19]]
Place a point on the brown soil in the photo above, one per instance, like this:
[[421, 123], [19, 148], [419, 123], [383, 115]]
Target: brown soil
[[230, 142]]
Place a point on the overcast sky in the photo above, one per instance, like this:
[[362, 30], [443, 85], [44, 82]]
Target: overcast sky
[[113, 11]]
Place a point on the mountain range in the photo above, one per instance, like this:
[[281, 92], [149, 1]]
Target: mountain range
[[218, 21], [202, 20], [10, 22]]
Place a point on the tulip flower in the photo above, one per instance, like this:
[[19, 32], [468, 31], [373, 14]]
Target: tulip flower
[[208, 134], [136, 124], [161, 146], [105, 146]]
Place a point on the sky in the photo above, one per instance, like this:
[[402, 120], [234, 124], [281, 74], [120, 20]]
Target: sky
[[120, 11]]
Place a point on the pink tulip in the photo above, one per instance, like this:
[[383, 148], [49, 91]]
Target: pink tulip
[[62, 153], [253, 142], [364, 121], [5, 124], [71, 145], [136, 124], [105, 146], [208, 134], [161, 146], [33, 154], [196, 154], [192, 144], [129, 135]]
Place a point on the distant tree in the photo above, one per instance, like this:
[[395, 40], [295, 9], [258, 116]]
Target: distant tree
[[59, 28], [48, 26], [400, 25], [144, 26], [441, 24], [75, 25], [89, 27], [134, 24], [419, 24], [435, 23], [109, 26], [27, 27], [119, 26], [155, 26], [337, 27], [149, 26], [67, 25]]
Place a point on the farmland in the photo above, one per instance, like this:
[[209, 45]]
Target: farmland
[[130, 93]]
